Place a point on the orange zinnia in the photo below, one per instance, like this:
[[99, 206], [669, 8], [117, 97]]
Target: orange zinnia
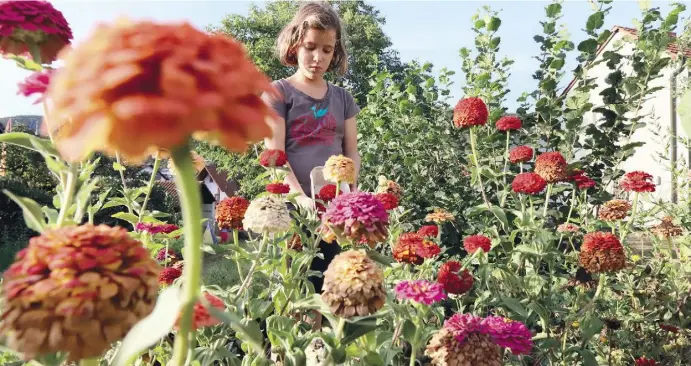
[[136, 87]]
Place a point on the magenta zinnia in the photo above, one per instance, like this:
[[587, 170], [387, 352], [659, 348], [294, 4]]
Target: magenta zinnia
[[421, 291], [36, 83], [356, 215], [503, 332]]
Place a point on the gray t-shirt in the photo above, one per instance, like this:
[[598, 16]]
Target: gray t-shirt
[[314, 127]]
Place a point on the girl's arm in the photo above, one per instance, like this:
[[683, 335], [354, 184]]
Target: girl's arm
[[278, 141], [350, 147]]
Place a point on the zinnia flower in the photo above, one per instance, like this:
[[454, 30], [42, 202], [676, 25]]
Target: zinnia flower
[[36, 83], [503, 332], [167, 254], [474, 242], [520, 154], [327, 193], [353, 285], [156, 228], [637, 181], [431, 248], [614, 210], [272, 158], [230, 212], [508, 123], [267, 214], [317, 354], [388, 186], [277, 188], [469, 112], [667, 229], [169, 275], [551, 166], [528, 183], [410, 248], [389, 200], [201, 316], [642, 361], [295, 243], [581, 180], [358, 214], [224, 236], [420, 291], [439, 216], [477, 350], [27, 23], [339, 168], [429, 231], [568, 228], [159, 83], [602, 252], [453, 280], [77, 289]]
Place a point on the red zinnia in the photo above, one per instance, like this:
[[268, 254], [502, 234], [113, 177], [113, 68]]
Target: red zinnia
[[36, 83], [277, 188], [520, 154], [429, 231], [637, 181], [201, 317], [528, 183], [646, 362], [454, 282], [551, 166], [33, 22], [602, 252], [669, 328], [327, 193], [581, 180], [508, 123], [470, 112], [431, 249], [474, 242], [273, 158], [169, 275], [410, 248], [389, 200]]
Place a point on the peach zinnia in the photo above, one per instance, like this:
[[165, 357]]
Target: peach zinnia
[[137, 87]]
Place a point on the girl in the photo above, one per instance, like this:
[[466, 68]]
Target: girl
[[318, 118]]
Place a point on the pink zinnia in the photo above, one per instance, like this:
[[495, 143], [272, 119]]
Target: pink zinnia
[[33, 22], [357, 214], [421, 291], [568, 228], [510, 334], [153, 228], [463, 325], [637, 181], [164, 254], [36, 83], [508, 123]]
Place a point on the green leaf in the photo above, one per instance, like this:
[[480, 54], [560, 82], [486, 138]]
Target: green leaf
[[33, 213], [248, 329], [359, 328], [588, 46], [685, 111], [494, 24], [590, 326], [151, 329], [501, 215], [408, 329], [118, 167], [515, 306], [479, 24], [553, 10], [380, 258], [29, 141], [595, 21], [131, 218]]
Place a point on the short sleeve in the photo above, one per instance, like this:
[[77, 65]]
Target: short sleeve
[[351, 108], [277, 101]]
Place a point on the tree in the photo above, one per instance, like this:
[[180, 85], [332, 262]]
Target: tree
[[26, 165]]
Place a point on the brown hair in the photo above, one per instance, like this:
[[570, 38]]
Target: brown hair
[[317, 15]]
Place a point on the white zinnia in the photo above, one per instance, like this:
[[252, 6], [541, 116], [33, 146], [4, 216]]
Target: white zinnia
[[267, 214]]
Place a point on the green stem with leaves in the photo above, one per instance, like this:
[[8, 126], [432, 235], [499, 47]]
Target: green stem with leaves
[[68, 194], [124, 182], [150, 186], [248, 280], [625, 231], [477, 167], [191, 205], [547, 196]]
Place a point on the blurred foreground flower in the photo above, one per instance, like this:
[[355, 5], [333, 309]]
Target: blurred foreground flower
[[339, 168], [551, 166], [199, 162], [136, 87], [36, 83], [471, 111], [453, 279], [230, 212], [353, 285], [358, 214], [267, 214], [637, 181], [201, 316], [420, 291], [34, 27], [614, 210], [77, 289], [602, 252]]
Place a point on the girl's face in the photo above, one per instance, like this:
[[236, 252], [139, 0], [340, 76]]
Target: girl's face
[[315, 53]]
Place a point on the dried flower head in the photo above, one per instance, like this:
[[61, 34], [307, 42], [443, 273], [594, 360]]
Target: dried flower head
[[339, 168], [614, 210], [36, 83], [272, 158], [528, 183], [520, 154], [353, 285], [439, 216], [568, 228], [474, 242], [169, 275], [551, 166], [25, 24], [77, 289], [278, 188], [201, 317], [420, 291], [389, 200], [471, 111], [453, 279], [637, 181], [230, 212], [667, 229], [358, 214], [410, 248], [389, 186], [429, 231], [326, 233], [160, 83], [477, 350], [295, 243], [267, 215], [508, 123], [602, 252]]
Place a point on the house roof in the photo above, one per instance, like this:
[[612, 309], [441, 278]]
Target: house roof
[[171, 189], [672, 48], [228, 186]]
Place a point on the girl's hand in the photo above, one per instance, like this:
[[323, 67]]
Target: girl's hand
[[304, 202]]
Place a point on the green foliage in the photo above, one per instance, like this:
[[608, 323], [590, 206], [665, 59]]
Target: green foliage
[[26, 165], [241, 168]]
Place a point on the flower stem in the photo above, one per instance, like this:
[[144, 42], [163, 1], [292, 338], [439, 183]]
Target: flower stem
[[477, 167], [124, 182], [339, 329], [338, 188], [506, 155], [89, 362], [625, 231], [591, 303], [248, 280], [68, 194], [149, 188], [549, 193], [236, 242], [191, 205], [573, 201]]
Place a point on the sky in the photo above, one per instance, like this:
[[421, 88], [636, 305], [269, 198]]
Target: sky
[[427, 31]]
